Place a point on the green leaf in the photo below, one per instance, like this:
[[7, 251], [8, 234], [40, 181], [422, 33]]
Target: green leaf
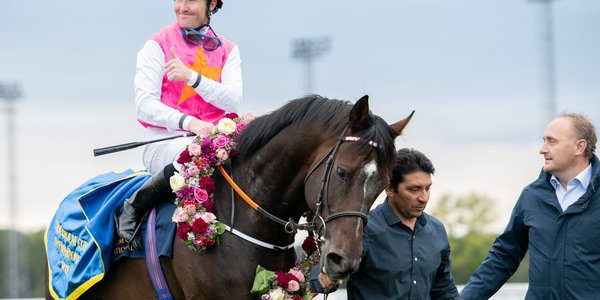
[[220, 228], [262, 280]]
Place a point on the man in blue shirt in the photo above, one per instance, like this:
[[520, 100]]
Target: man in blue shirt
[[406, 254], [556, 218]]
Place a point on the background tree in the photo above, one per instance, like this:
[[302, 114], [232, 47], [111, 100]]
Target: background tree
[[468, 220], [31, 264]]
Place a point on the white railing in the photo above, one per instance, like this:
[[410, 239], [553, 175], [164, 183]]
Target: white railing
[[510, 291]]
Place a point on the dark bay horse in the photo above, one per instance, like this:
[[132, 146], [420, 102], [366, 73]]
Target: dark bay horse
[[283, 165]]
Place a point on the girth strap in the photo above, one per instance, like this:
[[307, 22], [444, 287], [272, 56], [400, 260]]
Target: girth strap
[[256, 241]]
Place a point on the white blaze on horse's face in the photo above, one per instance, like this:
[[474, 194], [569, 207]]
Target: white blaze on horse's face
[[371, 175], [370, 170]]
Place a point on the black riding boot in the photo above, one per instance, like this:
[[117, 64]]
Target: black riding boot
[[129, 217]]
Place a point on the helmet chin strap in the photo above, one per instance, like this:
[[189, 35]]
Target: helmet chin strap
[[209, 12], [201, 27]]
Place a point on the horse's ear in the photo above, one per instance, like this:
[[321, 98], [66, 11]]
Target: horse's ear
[[359, 116], [399, 126]]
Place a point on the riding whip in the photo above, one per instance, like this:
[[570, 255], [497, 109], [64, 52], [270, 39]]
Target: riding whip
[[127, 146]]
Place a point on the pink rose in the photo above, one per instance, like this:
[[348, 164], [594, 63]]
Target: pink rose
[[293, 286], [200, 195], [299, 275], [221, 141], [222, 154], [190, 209], [239, 127], [208, 217], [180, 216], [194, 149], [249, 116], [193, 171]]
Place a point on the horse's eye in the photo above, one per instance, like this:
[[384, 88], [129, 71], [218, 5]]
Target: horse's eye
[[341, 172]]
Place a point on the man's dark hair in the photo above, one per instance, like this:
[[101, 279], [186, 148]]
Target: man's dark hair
[[408, 161]]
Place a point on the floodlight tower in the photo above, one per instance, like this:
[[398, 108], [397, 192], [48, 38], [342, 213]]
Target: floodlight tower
[[307, 50], [548, 58], [10, 93]]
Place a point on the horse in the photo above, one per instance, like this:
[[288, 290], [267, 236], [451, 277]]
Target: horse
[[324, 155]]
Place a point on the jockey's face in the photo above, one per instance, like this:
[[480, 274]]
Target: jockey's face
[[192, 13]]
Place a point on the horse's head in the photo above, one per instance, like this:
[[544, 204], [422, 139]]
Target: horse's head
[[343, 182]]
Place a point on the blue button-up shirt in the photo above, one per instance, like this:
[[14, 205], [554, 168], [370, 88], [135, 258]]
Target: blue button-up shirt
[[576, 187], [399, 263]]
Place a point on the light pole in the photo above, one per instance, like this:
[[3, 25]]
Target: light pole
[[548, 58], [307, 50], [10, 93]]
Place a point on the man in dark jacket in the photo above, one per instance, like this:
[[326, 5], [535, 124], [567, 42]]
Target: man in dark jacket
[[406, 253], [556, 218]]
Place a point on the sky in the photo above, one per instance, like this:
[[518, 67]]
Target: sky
[[471, 69]]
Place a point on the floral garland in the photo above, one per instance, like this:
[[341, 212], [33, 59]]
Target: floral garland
[[193, 185], [292, 285]]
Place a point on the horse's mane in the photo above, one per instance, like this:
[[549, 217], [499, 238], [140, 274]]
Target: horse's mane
[[329, 115]]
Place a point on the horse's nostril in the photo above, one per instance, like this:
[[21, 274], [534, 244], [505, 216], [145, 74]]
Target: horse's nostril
[[334, 258], [339, 267]]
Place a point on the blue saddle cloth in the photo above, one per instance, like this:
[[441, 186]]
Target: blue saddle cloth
[[81, 239], [165, 233]]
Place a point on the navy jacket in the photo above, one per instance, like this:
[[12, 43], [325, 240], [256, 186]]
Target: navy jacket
[[564, 247]]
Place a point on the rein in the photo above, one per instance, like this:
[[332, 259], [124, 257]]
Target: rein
[[291, 226]]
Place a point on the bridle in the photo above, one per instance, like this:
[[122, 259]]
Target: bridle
[[321, 199], [290, 226]]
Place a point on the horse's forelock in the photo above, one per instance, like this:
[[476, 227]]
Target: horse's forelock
[[380, 133]]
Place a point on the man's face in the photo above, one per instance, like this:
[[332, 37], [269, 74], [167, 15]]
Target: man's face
[[191, 13], [411, 197], [560, 146]]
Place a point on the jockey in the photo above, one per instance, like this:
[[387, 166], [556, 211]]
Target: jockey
[[187, 78]]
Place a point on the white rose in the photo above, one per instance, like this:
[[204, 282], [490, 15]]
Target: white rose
[[226, 126], [177, 182], [277, 294]]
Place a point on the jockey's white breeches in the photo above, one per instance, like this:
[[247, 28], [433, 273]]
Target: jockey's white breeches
[[158, 155]]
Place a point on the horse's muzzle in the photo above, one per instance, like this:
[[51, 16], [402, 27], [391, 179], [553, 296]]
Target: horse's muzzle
[[338, 267]]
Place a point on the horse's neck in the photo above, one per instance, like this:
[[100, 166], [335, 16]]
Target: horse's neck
[[274, 179]]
